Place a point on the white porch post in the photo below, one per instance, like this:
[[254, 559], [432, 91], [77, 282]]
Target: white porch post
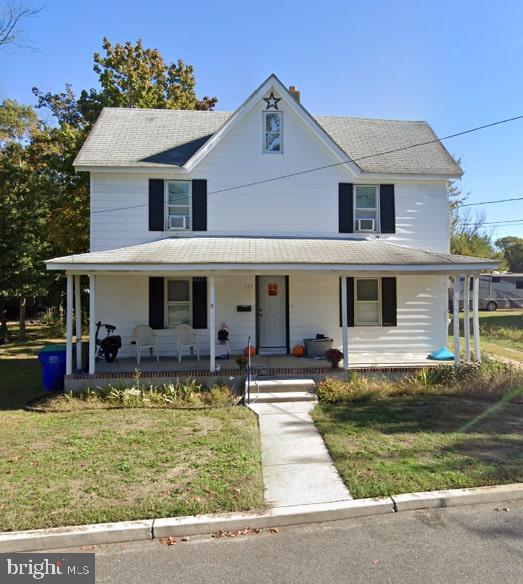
[[212, 323], [92, 323], [344, 322], [78, 325], [475, 317], [455, 319], [466, 317], [69, 327]]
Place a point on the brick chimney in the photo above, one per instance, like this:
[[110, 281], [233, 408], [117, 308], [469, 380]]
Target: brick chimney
[[295, 93]]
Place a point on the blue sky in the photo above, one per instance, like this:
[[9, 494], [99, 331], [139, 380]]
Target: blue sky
[[457, 64]]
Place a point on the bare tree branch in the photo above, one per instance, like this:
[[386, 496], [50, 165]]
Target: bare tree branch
[[12, 14]]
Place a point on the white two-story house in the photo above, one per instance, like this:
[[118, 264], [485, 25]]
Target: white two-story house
[[281, 224]]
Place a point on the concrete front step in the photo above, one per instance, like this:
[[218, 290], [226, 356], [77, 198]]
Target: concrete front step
[[283, 396], [284, 385]]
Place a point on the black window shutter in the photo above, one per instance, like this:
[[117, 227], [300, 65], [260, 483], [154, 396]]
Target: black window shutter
[[387, 209], [199, 205], [199, 303], [156, 303], [345, 208], [389, 302], [350, 302], [156, 191]]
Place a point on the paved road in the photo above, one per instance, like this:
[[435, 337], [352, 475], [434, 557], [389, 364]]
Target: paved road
[[455, 546]]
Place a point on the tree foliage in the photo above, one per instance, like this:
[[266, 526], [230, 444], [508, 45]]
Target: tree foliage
[[133, 76], [23, 245], [512, 248]]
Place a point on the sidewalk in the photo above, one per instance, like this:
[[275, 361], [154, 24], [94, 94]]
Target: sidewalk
[[297, 468]]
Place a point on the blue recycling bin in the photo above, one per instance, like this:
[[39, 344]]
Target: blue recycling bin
[[52, 361]]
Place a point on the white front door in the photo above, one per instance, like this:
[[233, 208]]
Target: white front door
[[272, 316]]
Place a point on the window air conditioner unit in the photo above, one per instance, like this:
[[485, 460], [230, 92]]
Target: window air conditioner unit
[[366, 224], [177, 222]]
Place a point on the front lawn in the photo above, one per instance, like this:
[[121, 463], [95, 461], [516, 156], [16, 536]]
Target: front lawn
[[401, 444], [501, 333], [111, 465]]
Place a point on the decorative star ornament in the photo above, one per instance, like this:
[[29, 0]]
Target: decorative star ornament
[[272, 102]]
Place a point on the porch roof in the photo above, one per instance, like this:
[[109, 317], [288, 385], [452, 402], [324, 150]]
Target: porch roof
[[268, 253]]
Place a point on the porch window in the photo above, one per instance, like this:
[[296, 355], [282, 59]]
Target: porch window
[[368, 302], [178, 205], [272, 132], [178, 303], [366, 208]]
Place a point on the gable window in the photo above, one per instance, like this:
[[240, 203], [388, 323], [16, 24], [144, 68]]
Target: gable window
[[178, 305], [272, 132], [367, 305], [366, 208], [178, 205]]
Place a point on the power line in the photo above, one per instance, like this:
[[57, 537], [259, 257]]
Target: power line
[[318, 168], [500, 222], [490, 202]]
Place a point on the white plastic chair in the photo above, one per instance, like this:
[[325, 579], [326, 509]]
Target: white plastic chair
[[186, 336], [145, 339]]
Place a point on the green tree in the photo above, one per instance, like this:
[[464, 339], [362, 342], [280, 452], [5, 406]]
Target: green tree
[[22, 245], [512, 248], [133, 76]]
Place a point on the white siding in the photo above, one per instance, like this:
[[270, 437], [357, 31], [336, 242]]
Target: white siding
[[422, 315], [304, 205], [124, 302], [313, 308]]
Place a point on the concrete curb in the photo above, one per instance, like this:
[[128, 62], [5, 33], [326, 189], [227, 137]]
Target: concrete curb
[[75, 535], [456, 497], [277, 517], [80, 535]]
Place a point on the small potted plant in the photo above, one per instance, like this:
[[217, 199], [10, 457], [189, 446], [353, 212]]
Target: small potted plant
[[242, 361], [334, 356]]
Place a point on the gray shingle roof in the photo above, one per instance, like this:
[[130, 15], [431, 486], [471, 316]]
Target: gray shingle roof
[[156, 138], [182, 251]]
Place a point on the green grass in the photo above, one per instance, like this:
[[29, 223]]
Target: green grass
[[111, 465], [421, 443], [501, 333]]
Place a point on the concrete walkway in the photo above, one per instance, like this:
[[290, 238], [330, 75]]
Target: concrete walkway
[[297, 468]]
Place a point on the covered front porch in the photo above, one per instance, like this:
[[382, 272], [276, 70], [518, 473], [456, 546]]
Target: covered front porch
[[274, 295]]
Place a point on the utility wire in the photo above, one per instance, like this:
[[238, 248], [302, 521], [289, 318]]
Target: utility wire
[[317, 168], [490, 202]]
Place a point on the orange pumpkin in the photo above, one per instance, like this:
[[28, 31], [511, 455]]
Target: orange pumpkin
[[298, 351], [252, 352]]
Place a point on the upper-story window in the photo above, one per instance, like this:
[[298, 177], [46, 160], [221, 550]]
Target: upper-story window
[[178, 205], [366, 208], [272, 132]]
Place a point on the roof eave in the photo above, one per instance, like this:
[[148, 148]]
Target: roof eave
[[443, 268]]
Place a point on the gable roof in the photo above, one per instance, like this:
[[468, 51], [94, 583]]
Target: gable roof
[[149, 138]]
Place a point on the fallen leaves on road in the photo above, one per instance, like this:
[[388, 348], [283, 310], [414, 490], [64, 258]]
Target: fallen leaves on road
[[236, 532], [171, 540], [245, 531]]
